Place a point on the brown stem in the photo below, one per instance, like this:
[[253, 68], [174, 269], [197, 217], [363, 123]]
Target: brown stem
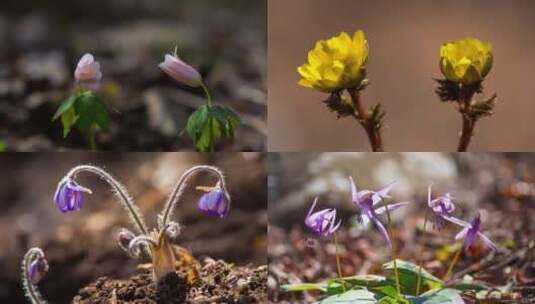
[[363, 117], [469, 123]]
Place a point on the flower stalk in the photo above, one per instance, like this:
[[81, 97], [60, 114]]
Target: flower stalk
[[371, 125], [453, 263], [393, 251], [420, 261], [34, 267], [336, 253]]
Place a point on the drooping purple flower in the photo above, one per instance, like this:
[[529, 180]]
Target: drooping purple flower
[[214, 203], [365, 200], [470, 233], [322, 222], [442, 207], [38, 269], [69, 195]]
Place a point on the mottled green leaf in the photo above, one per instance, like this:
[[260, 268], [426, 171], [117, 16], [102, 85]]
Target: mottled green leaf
[[439, 296], [354, 296], [408, 276]]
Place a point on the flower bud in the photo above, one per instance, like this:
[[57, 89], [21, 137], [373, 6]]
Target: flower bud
[[124, 238], [69, 196], [214, 203], [180, 71], [87, 70], [466, 61], [322, 222], [38, 269]]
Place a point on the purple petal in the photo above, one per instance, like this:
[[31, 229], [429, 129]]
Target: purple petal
[[461, 234], [429, 203], [470, 238], [383, 231], [354, 192], [383, 192], [455, 220], [390, 207], [487, 241], [214, 203], [312, 207]]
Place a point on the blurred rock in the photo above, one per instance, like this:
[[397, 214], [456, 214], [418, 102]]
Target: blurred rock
[[44, 66]]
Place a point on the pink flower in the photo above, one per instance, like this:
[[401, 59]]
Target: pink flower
[[88, 69], [180, 71]]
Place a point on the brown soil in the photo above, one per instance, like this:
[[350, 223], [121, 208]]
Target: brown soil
[[218, 282]]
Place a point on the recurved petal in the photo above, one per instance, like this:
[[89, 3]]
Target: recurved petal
[[382, 230]]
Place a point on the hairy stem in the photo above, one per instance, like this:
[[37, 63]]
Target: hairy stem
[[119, 190], [453, 262], [394, 256], [419, 282], [469, 123], [363, 117], [30, 289], [181, 185]]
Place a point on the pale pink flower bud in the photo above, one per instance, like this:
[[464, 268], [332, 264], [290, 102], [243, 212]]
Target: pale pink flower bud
[[88, 69], [180, 71]]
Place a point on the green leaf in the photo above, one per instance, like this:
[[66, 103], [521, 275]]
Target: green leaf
[[65, 106], [439, 296], [68, 119], [334, 286], [91, 111], [408, 276], [3, 146], [227, 118], [208, 123], [354, 296]]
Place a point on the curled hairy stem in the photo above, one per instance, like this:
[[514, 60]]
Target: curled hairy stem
[[30, 289], [119, 190], [371, 124], [167, 212]]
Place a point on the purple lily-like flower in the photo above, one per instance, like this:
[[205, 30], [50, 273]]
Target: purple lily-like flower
[[69, 195], [214, 203], [365, 200], [470, 233], [442, 207], [322, 222]]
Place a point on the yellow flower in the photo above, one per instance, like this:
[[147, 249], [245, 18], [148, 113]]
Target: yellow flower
[[466, 61], [335, 64]]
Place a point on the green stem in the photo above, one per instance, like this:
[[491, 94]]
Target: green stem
[[394, 256], [453, 262], [338, 268], [419, 282], [208, 96], [91, 139], [209, 102]]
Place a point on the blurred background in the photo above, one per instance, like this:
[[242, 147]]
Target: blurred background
[[501, 186], [42, 42], [81, 246], [404, 39]]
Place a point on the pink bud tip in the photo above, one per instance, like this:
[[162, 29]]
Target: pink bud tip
[[180, 71], [87, 69]]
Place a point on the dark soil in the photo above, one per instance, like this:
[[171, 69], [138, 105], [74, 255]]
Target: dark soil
[[218, 282]]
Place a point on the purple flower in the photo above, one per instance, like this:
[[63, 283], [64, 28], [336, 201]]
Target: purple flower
[[471, 232], [38, 269], [69, 195], [442, 207], [365, 200], [215, 203], [322, 222]]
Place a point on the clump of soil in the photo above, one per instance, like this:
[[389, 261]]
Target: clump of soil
[[218, 282]]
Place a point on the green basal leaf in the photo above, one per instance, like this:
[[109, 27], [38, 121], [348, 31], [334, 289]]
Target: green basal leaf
[[439, 296], [65, 106], [68, 120], [355, 296], [3, 146], [468, 283], [408, 277], [91, 111], [334, 286]]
